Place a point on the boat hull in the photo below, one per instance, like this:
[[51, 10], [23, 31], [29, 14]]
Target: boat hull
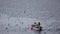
[[36, 28]]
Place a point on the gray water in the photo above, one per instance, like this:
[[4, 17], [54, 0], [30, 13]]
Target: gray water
[[14, 25], [16, 16]]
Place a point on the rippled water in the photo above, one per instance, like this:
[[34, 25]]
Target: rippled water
[[15, 25]]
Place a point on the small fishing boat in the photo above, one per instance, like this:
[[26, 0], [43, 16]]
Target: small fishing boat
[[34, 28]]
